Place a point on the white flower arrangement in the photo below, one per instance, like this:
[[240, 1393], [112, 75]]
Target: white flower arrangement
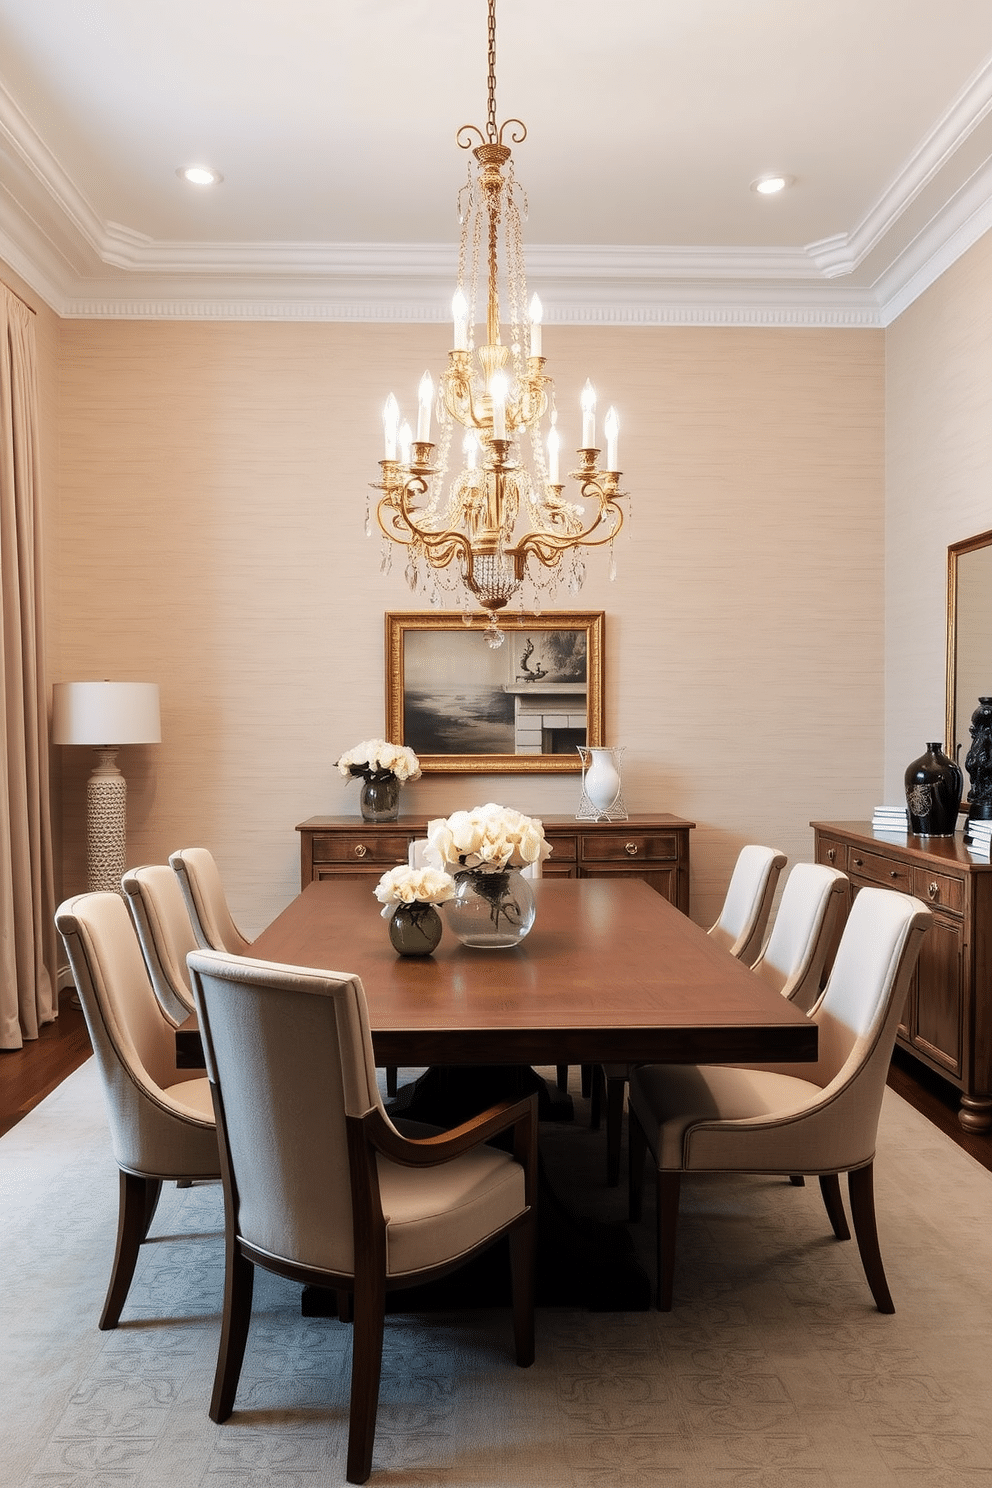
[[491, 838], [413, 886], [375, 759]]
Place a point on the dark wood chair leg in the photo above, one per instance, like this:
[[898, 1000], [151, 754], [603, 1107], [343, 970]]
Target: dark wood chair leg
[[366, 1369], [523, 1271], [637, 1147], [585, 1071], [834, 1205], [390, 1079], [239, 1283], [615, 1088], [861, 1191], [669, 1190], [136, 1209], [596, 1097], [797, 1180], [561, 1076]]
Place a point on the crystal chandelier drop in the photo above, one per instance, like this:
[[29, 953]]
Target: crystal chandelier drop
[[502, 530]]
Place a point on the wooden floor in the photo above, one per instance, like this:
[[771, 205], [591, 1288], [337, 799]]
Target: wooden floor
[[27, 1075]]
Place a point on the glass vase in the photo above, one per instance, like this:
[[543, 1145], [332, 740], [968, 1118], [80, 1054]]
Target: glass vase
[[490, 910], [415, 929], [380, 798]]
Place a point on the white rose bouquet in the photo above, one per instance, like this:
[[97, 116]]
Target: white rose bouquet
[[413, 886], [490, 838], [377, 759]]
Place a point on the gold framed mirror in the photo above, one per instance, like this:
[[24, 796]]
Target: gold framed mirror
[[969, 637]]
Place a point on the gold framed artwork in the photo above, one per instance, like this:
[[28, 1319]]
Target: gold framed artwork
[[519, 709]]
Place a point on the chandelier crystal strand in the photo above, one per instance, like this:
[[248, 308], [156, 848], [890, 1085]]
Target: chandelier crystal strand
[[502, 528]]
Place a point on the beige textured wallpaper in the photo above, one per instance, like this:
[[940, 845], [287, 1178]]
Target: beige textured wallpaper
[[213, 480], [939, 489]]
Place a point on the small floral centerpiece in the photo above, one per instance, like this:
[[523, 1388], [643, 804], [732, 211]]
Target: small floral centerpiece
[[484, 849], [408, 897], [383, 768]]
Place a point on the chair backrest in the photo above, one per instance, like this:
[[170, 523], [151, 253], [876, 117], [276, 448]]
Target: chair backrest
[[290, 1054], [134, 1044], [743, 919], [203, 890], [165, 934], [793, 959], [417, 857]]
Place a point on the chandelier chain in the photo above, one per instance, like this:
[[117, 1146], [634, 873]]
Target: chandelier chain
[[492, 133]]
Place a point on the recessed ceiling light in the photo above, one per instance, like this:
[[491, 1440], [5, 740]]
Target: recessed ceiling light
[[770, 185], [199, 175]]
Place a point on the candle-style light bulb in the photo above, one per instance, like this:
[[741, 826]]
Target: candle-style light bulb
[[405, 442], [470, 449], [426, 396], [588, 402], [554, 445], [536, 316], [611, 428], [459, 310], [390, 423], [497, 392]]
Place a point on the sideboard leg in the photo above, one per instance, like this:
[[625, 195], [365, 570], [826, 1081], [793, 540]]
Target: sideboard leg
[[975, 1114]]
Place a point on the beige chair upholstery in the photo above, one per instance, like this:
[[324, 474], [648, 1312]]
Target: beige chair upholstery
[[165, 934], [820, 1118], [748, 903], [203, 890], [161, 1118], [794, 958], [792, 963], [320, 1186]]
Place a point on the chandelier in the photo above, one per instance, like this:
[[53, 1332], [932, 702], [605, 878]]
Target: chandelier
[[501, 530]]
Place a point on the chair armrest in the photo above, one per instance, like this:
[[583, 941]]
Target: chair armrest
[[429, 1151]]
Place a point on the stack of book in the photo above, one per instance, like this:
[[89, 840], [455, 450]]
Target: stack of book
[[890, 819], [978, 835]]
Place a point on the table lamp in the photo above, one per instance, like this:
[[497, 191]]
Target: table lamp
[[105, 715]]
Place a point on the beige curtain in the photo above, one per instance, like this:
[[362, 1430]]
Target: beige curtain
[[28, 995]]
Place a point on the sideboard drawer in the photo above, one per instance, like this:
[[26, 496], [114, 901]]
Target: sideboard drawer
[[888, 873], [831, 852], [361, 847], [628, 847], [939, 889]]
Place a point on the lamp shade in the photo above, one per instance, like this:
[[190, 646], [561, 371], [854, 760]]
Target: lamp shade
[[107, 713]]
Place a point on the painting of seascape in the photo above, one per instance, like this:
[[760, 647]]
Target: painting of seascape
[[454, 697]]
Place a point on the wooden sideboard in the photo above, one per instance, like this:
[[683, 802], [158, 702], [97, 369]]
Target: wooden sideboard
[[652, 847], [947, 1022]]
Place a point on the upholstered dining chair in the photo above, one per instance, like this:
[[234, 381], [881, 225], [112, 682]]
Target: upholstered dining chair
[[165, 934], [320, 1187], [820, 1118], [796, 952], [203, 890], [792, 962], [161, 1118], [742, 921]]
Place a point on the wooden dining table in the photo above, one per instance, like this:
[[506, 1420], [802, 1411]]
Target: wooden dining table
[[610, 973]]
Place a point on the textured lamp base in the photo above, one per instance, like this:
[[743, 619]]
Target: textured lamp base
[[106, 824]]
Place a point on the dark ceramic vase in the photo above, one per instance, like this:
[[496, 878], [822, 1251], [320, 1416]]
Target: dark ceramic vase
[[978, 762], [380, 798], [933, 793], [415, 929]]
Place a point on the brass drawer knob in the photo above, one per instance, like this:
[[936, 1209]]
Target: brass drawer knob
[[859, 862], [360, 850], [630, 848], [933, 890], [831, 855]]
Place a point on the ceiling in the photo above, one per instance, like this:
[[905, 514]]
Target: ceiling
[[333, 123]]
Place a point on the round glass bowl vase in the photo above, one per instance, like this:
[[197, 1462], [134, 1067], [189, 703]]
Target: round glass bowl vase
[[415, 929], [490, 910]]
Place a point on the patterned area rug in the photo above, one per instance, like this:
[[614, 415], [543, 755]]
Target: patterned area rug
[[773, 1371]]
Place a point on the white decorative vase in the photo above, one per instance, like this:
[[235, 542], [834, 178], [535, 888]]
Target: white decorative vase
[[602, 791]]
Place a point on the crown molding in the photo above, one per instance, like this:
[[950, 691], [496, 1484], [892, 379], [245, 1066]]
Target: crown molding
[[85, 267]]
